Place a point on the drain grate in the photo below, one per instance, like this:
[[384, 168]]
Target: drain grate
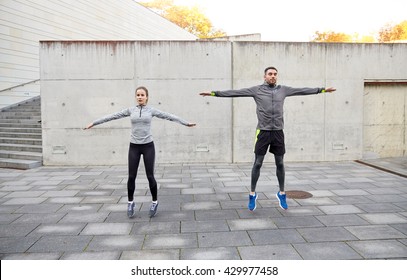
[[298, 194]]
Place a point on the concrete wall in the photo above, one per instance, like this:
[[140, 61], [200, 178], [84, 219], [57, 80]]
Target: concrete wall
[[24, 23], [82, 81]]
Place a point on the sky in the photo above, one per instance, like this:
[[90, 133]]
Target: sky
[[298, 20]]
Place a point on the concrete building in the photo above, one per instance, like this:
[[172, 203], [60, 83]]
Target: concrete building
[[24, 23], [82, 81]]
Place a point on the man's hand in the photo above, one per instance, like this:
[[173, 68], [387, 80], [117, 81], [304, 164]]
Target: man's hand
[[205, 94], [330, 89]]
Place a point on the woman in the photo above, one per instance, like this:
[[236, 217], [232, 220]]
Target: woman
[[141, 143]]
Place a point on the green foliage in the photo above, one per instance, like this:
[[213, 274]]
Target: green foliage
[[391, 33], [188, 18]]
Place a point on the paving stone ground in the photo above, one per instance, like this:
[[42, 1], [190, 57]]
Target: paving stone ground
[[70, 212]]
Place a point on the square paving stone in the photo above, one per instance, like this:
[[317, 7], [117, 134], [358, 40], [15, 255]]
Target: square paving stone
[[60, 244], [269, 252], [348, 200], [382, 249], [315, 201], [116, 243], [15, 230], [65, 200], [264, 212], [166, 241], [107, 229], [294, 222], [204, 226], [40, 208], [251, 224], [8, 218], [302, 211], [43, 218], [76, 217], [80, 208], [155, 227], [57, 229], [202, 215], [342, 220], [172, 254], [326, 234], [92, 256], [387, 198], [101, 199], [224, 239], [212, 197], [16, 244], [31, 256], [198, 191], [219, 253], [378, 207], [24, 194], [121, 217], [350, 192], [235, 204], [25, 201], [60, 193], [201, 205], [174, 216], [275, 236], [400, 227], [384, 218], [326, 251], [375, 232], [340, 209]]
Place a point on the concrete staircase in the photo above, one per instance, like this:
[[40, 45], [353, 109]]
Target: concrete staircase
[[20, 135]]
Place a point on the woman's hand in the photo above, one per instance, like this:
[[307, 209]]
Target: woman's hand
[[89, 126]]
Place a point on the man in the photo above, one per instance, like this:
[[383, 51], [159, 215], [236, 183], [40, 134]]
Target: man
[[269, 98]]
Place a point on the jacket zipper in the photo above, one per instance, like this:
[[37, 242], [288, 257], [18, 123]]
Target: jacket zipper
[[141, 108]]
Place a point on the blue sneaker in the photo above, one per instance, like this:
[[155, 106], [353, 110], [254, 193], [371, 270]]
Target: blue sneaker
[[282, 200], [130, 209], [252, 202]]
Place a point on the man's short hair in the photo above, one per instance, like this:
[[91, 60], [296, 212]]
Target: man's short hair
[[270, 67]]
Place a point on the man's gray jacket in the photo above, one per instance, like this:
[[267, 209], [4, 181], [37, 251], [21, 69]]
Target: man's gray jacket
[[269, 102]]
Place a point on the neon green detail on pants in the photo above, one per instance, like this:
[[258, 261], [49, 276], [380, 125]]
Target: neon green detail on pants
[[255, 140]]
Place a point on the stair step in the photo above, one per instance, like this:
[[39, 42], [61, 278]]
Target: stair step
[[21, 147], [21, 136], [19, 163], [20, 130], [21, 155], [25, 141], [25, 125], [11, 134], [20, 117], [25, 114]]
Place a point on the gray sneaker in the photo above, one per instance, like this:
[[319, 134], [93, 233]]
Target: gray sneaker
[[130, 209], [153, 209]]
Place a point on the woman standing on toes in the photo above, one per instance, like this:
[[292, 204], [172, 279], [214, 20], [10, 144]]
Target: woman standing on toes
[[141, 143]]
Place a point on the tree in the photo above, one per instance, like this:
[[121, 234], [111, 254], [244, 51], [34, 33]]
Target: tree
[[391, 33], [188, 18], [331, 36]]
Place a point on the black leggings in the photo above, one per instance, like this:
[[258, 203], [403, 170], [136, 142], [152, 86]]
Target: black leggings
[[135, 152], [280, 171]]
